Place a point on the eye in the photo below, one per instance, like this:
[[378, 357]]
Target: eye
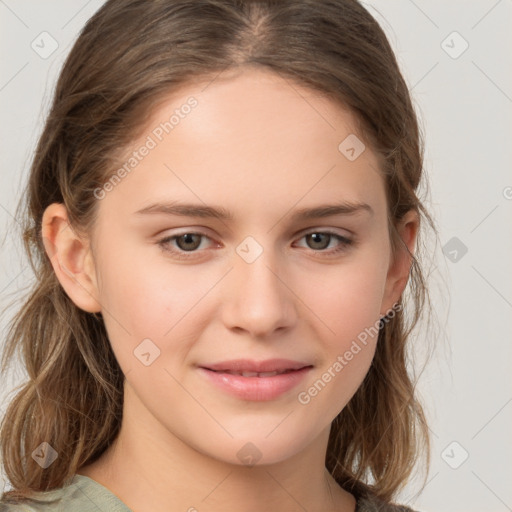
[[187, 244], [319, 241]]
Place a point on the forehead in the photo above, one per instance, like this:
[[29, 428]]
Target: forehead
[[252, 101], [255, 135]]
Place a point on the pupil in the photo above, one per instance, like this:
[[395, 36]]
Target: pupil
[[188, 239], [317, 239]]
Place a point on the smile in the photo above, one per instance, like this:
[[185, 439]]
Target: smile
[[235, 379]]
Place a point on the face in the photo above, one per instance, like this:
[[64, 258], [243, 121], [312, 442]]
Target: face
[[242, 279]]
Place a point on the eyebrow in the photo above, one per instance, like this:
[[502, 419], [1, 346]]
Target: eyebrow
[[203, 211]]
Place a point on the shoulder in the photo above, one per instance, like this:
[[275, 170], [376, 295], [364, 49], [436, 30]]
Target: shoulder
[[82, 495], [369, 502]]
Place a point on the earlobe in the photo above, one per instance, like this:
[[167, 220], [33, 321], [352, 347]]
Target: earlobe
[[399, 269], [71, 258]]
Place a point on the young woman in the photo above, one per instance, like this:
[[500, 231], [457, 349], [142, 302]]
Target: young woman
[[223, 220]]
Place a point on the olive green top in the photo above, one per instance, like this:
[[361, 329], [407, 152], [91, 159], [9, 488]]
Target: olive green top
[[84, 494]]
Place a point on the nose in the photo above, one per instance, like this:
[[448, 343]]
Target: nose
[[258, 299]]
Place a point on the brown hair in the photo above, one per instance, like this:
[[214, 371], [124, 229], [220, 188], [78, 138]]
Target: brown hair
[[129, 56]]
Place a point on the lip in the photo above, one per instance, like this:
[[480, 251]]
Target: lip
[[249, 365], [256, 388]]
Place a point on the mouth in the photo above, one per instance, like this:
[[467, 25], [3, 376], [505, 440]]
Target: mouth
[[253, 374], [256, 380], [249, 366]]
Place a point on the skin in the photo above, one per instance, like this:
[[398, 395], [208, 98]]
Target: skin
[[262, 148]]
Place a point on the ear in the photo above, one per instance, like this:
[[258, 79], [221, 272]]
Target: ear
[[400, 265], [71, 258]]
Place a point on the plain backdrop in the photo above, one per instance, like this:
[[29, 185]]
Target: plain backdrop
[[455, 56]]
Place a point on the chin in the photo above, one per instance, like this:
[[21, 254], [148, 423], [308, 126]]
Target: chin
[[256, 450]]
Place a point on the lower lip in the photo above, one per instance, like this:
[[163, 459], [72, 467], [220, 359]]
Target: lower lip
[[256, 388]]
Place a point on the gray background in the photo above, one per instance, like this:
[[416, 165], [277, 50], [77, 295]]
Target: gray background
[[464, 100]]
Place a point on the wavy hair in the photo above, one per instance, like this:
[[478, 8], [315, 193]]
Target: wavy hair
[[129, 57]]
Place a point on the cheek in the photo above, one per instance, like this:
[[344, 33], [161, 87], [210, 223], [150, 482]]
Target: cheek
[[346, 301], [346, 298], [152, 300], [348, 358]]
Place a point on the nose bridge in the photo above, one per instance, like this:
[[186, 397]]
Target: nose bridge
[[258, 300]]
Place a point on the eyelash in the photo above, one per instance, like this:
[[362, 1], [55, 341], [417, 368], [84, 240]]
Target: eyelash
[[345, 243]]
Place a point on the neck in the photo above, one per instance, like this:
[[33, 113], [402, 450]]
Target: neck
[[150, 470]]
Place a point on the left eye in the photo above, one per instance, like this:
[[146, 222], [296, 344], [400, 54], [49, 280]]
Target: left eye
[[318, 240], [186, 244]]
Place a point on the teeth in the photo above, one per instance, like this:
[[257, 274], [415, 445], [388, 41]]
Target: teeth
[[256, 374], [268, 374]]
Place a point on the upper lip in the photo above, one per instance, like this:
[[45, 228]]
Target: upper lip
[[249, 365]]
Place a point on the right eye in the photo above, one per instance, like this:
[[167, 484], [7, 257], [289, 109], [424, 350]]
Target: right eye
[[183, 245]]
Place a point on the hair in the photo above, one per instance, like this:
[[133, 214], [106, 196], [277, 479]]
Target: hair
[[129, 57]]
